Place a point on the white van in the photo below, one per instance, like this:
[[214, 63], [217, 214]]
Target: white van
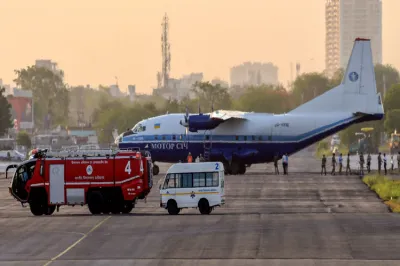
[[193, 185]]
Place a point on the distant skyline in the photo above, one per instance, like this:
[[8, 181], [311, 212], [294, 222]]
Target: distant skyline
[[94, 41]]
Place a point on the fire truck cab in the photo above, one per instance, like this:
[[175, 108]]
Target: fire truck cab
[[107, 181]]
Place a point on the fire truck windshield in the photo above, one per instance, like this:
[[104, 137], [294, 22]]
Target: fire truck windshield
[[23, 173]]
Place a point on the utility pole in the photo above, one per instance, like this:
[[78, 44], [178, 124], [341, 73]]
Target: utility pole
[[166, 53]]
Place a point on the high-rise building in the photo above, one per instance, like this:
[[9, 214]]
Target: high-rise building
[[332, 36], [346, 20]]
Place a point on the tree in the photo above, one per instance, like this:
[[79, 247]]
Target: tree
[[336, 78], [211, 96], [392, 99], [385, 75], [23, 139], [50, 94], [308, 86], [264, 98], [392, 121], [5, 113]]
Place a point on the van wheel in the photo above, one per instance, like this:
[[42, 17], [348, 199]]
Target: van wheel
[[204, 207], [172, 207], [127, 207], [95, 202]]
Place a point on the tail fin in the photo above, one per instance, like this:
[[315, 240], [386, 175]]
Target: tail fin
[[357, 93]]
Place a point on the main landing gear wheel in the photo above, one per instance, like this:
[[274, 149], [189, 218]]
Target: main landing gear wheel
[[235, 168], [242, 169], [156, 169]]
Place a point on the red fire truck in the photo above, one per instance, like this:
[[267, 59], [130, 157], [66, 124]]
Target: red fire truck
[[106, 181]]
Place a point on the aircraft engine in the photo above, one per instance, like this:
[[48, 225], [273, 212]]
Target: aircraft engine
[[201, 122]]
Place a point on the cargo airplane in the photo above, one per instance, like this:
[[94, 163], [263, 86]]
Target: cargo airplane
[[239, 139]]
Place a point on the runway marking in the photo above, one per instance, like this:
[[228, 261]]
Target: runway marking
[[77, 241]]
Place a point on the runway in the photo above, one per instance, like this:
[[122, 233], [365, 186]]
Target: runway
[[299, 219]]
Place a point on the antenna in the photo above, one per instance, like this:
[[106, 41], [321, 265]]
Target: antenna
[[165, 50]]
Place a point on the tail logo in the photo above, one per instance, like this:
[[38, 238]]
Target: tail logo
[[353, 76]]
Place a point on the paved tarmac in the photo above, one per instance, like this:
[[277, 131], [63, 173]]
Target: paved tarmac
[[299, 219]]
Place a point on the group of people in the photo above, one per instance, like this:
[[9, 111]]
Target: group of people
[[361, 162], [200, 158]]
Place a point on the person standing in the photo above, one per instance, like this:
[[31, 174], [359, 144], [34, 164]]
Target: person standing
[[348, 171], [379, 163], [333, 164], [323, 167], [398, 161], [189, 158], [284, 164], [340, 163], [369, 163], [361, 164], [384, 163], [392, 163], [276, 164], [287, 163]]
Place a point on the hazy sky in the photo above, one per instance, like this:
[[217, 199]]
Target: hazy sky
[[95, 40]]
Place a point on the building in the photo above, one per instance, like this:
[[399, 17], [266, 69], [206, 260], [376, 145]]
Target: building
[[253, 74], [220, 82], [360, 18], [45, 63], [345, 20], [22, 108], [332, 36], [179, 88], [132, 92]]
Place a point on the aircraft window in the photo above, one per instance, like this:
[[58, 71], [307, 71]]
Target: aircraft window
[[139, 128]]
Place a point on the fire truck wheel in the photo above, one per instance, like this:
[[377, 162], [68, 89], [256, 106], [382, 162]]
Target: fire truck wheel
[[204, 207], [173, 207], [50, 209], [36, 208], [156, 169], [95, 202], [127, 207]]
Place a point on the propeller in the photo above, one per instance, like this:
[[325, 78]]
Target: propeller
[[186, 118]]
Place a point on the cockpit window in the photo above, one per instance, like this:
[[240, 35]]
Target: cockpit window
[[139, 128]]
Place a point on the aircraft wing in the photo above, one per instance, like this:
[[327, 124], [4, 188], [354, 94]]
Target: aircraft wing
[[226, 115]]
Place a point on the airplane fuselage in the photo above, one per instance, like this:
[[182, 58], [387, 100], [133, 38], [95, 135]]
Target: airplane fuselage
[[255, 139]]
